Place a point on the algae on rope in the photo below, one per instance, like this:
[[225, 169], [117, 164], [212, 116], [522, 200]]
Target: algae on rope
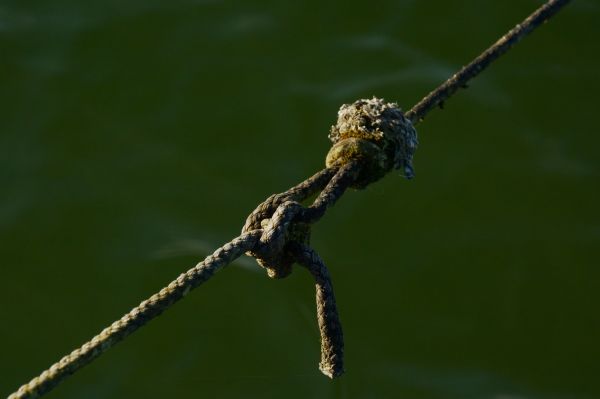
[[378, 134]]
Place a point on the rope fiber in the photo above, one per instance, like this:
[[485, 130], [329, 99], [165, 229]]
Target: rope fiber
[[370, 139]]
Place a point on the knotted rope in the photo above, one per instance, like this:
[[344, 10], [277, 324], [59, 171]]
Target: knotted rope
[[370, 139]]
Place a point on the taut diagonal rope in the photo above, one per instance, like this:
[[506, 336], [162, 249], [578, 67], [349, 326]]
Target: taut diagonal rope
[[277, 232], [138, 316]]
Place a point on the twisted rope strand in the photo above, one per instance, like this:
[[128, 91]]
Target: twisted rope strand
[[332, 182], [332, 337], [474, 68], [298, 193], [137, 317], [336, 187]]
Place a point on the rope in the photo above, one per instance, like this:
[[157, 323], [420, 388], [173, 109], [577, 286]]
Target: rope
[[332, 337], [370, 139], [137, 317], [459, 80]]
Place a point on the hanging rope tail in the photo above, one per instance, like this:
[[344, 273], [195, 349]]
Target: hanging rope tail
[[370, 139]]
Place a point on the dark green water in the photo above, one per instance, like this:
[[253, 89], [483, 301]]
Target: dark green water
[[136, 136]]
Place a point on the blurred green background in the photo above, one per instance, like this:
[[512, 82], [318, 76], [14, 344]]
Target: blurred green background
[[136, 136]]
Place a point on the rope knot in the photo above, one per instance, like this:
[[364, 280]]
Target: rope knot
[[271, 252], [376, 133]]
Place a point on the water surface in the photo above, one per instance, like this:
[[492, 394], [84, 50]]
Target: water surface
[[136, 136]]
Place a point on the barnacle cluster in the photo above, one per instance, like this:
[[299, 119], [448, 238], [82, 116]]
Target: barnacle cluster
[[376, 132]]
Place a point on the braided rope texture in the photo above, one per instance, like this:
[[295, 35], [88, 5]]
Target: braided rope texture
[[332, 337], [137, 317], [370, 139]]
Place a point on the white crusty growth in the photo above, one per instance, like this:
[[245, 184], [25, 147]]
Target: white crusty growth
[[383, 124]]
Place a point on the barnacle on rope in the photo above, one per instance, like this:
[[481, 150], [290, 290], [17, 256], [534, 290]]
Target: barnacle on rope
[[378, 134], [371, 138]]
